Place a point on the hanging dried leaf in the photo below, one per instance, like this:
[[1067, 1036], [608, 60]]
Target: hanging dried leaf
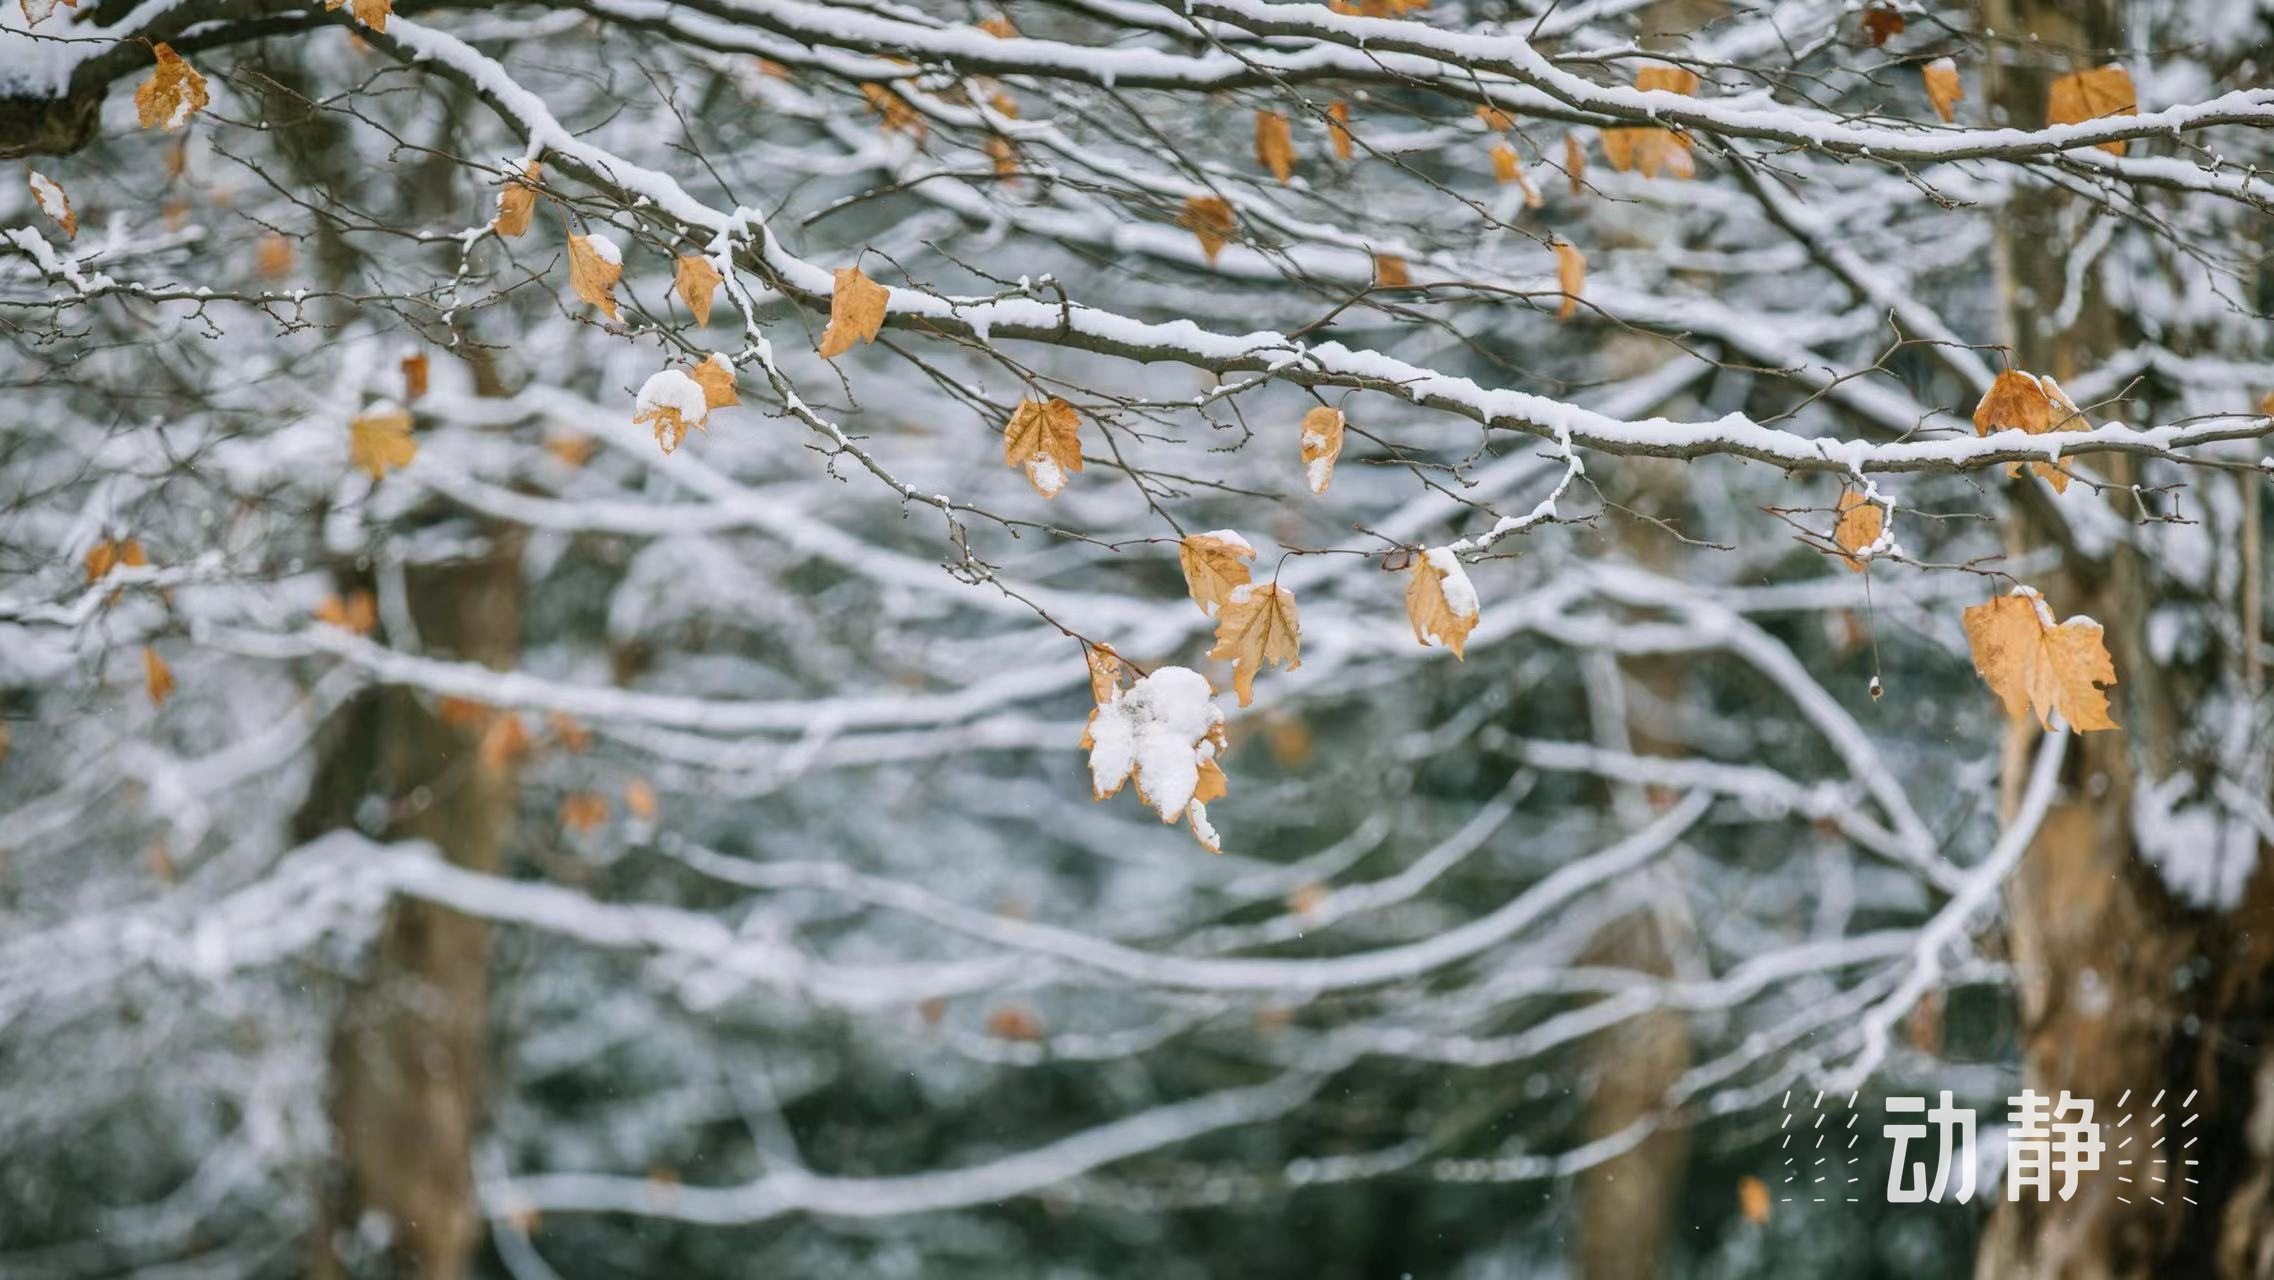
[[1649, 149], [48, 194], [1275, 144], [696, 282], [38, 11], [1859, 526], [272, 257], [1941, 79], [517, 203], [1016, 1023], [2093, 95], [1882, 23], [172, 94], [999, 26], [1570, 276], [1506, 165], [1209, 219], [595, 265], [1106, 671], [504, 744], [1215, 565], [573, 738], [157, 677], [1005, 156], [2032, 664], [583, 812], [1390, 272], [1166, 733], [1045, 438], [669, 403], [379, 441], [1440, 601], [716, 377], [1753, 1200], [2266, 405], [897, 115], [572, 447], [639, 799], [1338, 130], [2020, 401], [359, 613], [1575, 163], [415, 370], [1322, 446], [1258, 625], [1494, 119], [856, 312], [107, 555]]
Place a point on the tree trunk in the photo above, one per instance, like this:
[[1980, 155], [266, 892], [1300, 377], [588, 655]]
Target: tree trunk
[[2121, 986]]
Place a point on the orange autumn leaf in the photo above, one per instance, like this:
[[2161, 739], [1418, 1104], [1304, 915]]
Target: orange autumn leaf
[[1570, 276], [1258, 626], [504, 743], [1649, 149], [2034, 665], [1881, 23], [1012, 1022], [1575, 163], [1210, 220], [359, 613], [1338, 129], [415, 370], [173, 93], [1275, 144], [716, 377], [1440, 602], [107, 555], [583, 812], [49, 195], [573, 737], [1859, 526], [572, 447], [1494, 119], [2093, 95], [696, 282], [639, 799], [1941, 80], [371, 13], [2020, 401], [1106, 671], [517, 203], [1753, 1200], [999, 26], [157, 677], [856, 312], [1215, 565], [1004, 156], [595, 265], [1322, 446], [1506, 167], [462, 713], [1390, 271], [272, 258], [1044, 437], [897, 116], [380, 441]]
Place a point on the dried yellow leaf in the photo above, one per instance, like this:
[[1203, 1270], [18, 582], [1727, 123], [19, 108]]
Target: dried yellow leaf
[[1649, 149], [1322, 446], [1338, 129], [1570, 276], [2092, 95], [898, 116], [639, 799], [999, 26], [415, 371], [1044, 436], [1941, 80], [49, 195], [1859, 526], [504, 744], [716, 377], [272, 257], [517, 202], [1258, 625], [1106, 670], [157, 677], [1440, 602], [1215, 565], [697, 280], [583, 812], [107, 555], [1494, 119], [1210, 220], [1753, 1200], [1390, 271], [595, 265], [1275, 144], [1880, 23], [172, 94], [2034, 403], [2032, 664], [856, 312], [380, 441], [1505, 165], [359, 613], [1575, 163]]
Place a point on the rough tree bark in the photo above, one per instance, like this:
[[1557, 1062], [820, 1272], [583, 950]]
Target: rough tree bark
[[2121, 986]]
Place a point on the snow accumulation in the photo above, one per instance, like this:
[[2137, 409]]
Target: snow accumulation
[[1460, 593], [1232, 539], [50, 196], [672, 389], [604, 249], [1044, 471], [1156, 729]]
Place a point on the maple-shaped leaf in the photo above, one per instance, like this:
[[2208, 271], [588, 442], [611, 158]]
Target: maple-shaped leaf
[[517, 202], [1106, 671], [1649, 149], [639, 799], [1390, 271], [157, 677], [856, 312], [1044, 436], [1858, 528], [696, 281], [1275, 144], [583, 812], [1338, 129], [1881, 23], [2093, 95], [379, 440], [1440, 601], [1941, 80], [1575, 163], [1166, 733], [2033, 664], [48, 194], [173, 93], [359, 613], [1322, 446], [415, 370], [1210, 221], [2034, 403], [1570, 276], [595, 265], [108, 554], [670, 402], [1215, 564], [715, 375], [1258, 625]]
